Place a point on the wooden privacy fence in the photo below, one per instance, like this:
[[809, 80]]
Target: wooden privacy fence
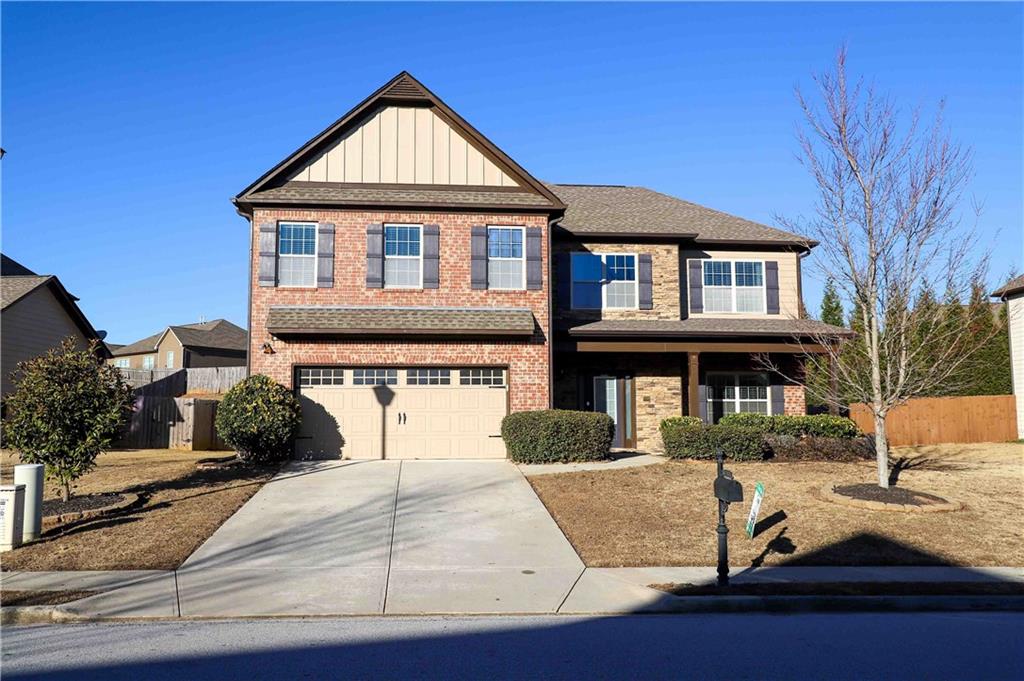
[[160, 422], [937, 420], [177, 382]]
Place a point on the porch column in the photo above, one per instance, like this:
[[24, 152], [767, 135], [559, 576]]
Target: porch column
[[692, 385], [833, 385]]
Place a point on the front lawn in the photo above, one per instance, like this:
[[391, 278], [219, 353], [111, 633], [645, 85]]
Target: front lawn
[[179, 508], [665, 514]]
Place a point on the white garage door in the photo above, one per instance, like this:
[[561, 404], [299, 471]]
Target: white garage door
[[396, 413]]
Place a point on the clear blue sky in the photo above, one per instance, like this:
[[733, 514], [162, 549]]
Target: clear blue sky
[[129, 127]]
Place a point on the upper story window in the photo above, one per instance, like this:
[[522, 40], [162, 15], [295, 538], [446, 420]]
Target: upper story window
[[734, 286], [506, 262], [296, 254], [604, 281], [403, 259]]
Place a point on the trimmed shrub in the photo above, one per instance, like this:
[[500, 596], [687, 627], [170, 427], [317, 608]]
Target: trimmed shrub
[[259, 417], [681, 422], [813, 448], [699, 441], [820, 425], [557, 435], [67, 407]]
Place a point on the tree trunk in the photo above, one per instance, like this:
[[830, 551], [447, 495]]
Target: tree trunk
[[881, 451], [65, 491]]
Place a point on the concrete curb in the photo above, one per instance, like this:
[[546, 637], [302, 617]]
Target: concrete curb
[[828, 494], [46, 614]]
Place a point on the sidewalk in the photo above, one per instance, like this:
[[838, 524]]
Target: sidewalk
[[155, 594]]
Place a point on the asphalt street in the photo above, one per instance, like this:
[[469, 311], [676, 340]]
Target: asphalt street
[[747, 646]]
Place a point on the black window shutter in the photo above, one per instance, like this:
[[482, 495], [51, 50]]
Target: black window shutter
[[645, 281], [563, 279], [778, 397], [534, 266], [431, 256], [771, 286], [478, 257], [325, 255], [268, 254], [375, 256], [702, 402], [696, 271]]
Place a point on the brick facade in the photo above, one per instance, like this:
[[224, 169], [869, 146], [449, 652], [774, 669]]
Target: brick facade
[[528, 361], [795, 400]]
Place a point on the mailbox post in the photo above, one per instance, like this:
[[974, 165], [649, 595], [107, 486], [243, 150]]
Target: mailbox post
[[727, 490]]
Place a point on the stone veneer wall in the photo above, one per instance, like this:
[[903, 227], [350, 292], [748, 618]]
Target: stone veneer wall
[[664, 274]]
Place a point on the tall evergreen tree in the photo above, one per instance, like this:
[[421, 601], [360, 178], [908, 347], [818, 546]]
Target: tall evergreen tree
[[831, 305]]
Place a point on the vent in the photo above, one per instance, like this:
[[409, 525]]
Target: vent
[[405, 88]]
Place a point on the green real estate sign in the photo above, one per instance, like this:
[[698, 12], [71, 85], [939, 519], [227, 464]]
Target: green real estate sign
[[755, 508]]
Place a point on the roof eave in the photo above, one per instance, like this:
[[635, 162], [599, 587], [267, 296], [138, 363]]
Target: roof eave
[[365, 332], [250, 203]]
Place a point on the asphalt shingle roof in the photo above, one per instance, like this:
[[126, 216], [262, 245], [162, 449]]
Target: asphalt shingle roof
[[308, 193], [219, 333], [15, 288], [707, 326], [1014, 285], [637, 211], [400, 320]]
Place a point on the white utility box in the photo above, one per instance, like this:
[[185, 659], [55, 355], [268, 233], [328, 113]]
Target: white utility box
[[12, 512], [31, 475]]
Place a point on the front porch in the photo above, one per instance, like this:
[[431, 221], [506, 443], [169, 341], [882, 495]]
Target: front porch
[[641, 383]]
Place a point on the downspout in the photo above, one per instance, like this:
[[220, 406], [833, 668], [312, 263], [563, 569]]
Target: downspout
[[551, 311], [248, 312]]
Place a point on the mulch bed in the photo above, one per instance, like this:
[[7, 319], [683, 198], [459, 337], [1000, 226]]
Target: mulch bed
[[847, 589], [892, 495], [10, 598], [77, 504]]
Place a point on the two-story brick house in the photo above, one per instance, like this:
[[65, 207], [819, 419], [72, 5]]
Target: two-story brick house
[[414, 284]]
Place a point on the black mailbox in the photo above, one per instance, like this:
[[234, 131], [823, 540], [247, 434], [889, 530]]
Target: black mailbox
[[728, 490]]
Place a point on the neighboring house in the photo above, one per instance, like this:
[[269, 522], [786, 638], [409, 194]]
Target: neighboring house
[[1013, 294], [38, 313], [217, 343], [414, 284]]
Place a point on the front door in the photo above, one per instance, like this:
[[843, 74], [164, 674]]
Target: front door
[[613, 395]]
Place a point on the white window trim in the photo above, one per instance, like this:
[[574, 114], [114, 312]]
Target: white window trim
[[736, 401], [316, 249], [123, 363], [169, 359], [604, 283], [732, 268], [522, 259], [384, 247], [150, 360]]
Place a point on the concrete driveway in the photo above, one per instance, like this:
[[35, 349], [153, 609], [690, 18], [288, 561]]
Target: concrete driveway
[[370, 537]]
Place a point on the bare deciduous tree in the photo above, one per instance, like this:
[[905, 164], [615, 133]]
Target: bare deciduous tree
[[887, 221]]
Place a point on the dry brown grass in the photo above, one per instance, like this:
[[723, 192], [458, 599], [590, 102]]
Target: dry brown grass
[[21, 598], [666, 514], [180, 508]]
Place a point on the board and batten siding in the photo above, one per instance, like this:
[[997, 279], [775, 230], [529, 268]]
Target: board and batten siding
[[1015, 314], [31, 327], [789, 281], [404, 145]]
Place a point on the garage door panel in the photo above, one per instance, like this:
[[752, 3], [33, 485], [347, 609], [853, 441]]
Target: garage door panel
[[423, 421]]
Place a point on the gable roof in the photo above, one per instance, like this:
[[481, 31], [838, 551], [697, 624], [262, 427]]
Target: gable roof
[[616, 210], [9, 267], [402, 89], [1015, 285], [218, 334], [17, 287]]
